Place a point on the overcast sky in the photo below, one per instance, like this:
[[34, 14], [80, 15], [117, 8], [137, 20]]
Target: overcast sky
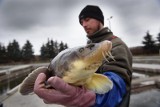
[[38, 20]]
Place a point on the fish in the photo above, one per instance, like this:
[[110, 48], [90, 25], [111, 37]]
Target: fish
[[77, 66]]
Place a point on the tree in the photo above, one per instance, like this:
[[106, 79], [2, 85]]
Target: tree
[[51, 49], [56, 47], [3, 56], [13, 51], [43, 51], [48, 50], [62, 46], [158, 39], [27, 51], [65, 46], [149, 43]]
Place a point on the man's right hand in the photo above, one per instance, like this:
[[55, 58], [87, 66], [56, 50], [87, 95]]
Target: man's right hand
[[63, 93]]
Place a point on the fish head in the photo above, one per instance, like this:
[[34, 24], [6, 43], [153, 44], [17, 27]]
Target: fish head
[[91, 56], [84, 58]]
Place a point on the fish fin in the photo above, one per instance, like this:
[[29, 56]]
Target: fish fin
[[26, 87], [99, 83]]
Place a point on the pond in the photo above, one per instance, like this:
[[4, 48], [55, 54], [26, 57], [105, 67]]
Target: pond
[[150, 98], [10, 84]]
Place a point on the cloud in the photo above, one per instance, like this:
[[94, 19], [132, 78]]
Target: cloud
[[136, 17], [58, 19], [24, 14]]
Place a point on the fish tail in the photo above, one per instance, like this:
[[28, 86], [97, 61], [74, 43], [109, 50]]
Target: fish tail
[[99, 83], [26, 87]]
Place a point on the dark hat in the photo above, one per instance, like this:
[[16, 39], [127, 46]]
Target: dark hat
[[92, 12]]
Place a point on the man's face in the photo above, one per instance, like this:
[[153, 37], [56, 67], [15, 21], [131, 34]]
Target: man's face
[[90, 25]]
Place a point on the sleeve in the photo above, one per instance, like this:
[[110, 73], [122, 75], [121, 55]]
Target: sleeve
[[115, 95]]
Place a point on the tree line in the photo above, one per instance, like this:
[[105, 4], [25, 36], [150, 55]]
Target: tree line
[[13, 53], [150, 45]]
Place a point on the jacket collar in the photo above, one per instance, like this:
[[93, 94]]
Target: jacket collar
[[100, 35]]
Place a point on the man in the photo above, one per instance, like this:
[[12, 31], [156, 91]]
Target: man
[[119, 71]]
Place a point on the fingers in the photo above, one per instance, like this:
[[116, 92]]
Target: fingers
[[40, 80], [40, 84], [48, 95], [61, 85]]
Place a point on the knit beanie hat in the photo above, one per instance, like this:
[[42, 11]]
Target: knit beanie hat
[[92, 12]]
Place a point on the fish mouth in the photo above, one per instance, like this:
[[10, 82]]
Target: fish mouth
[[101, 53]]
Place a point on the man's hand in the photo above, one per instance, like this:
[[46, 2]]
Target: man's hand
[[63, 93]]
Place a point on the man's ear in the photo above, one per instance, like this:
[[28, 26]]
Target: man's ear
[[101, 25]]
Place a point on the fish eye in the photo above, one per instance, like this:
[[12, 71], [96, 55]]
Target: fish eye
[[90, 46], [81, 50]]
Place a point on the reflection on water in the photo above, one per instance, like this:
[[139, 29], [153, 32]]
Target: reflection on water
[[150, 98], [10, 77], [10, 84], [136, 75], [4, 68]]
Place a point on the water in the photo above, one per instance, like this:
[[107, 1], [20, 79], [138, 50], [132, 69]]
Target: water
[[10, 77], [10, 84], [150, 98]]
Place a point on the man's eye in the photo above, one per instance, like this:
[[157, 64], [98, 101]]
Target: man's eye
[[81, 50]]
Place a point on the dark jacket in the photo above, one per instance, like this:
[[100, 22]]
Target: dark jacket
[[123, 59]]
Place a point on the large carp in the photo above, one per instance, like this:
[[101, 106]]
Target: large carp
[[76, 66]]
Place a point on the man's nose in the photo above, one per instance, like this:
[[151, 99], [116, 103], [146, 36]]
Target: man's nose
[[84, 24]]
